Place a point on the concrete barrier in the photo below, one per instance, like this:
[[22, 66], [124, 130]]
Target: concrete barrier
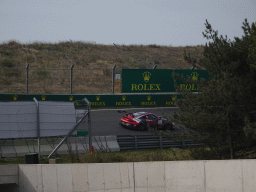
[[231, 175], [9, 174], [76, 177], [160, 176]]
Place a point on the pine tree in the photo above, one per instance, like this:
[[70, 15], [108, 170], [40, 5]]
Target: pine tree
[[250, 119], [221, 111]]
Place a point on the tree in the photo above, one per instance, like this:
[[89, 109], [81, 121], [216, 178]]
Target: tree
[[252, 48], [221, 111], [250, 120]]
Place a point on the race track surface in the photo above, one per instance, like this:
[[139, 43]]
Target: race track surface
[[106, 122]]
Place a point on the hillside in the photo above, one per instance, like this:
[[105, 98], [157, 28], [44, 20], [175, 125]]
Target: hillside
[[49, 65]]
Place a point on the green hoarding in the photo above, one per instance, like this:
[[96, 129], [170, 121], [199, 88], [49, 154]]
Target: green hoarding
[[158, 80], [147, 80], [101, 101]]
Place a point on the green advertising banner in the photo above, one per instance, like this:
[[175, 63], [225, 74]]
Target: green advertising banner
[[120, 100], [194, 75], [158, 80]]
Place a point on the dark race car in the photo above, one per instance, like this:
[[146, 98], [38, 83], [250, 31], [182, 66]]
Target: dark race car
[[140, 121]]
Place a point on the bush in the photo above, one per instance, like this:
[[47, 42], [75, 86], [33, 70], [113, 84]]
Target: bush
[[117, 158], [214, 153], [153, 46], [11, 45], [7, 62]]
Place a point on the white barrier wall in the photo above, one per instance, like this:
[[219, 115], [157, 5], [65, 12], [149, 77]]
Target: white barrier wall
[[9, 174], [159, 176]]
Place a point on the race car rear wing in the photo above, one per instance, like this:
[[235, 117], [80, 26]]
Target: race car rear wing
[[125, 112]]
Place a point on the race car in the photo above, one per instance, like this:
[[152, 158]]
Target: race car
[[141, 120]]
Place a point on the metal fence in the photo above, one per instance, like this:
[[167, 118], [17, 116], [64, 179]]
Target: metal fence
[[133, 142], [70, 80], [42, 127], [56, 81], [24, 119]]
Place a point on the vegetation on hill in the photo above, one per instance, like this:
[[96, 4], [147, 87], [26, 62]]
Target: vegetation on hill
[[49, 64]]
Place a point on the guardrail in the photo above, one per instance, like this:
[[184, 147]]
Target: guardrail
[[129, 142]]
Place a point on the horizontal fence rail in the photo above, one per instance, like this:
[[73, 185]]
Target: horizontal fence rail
[[129, 142], [56, 80]]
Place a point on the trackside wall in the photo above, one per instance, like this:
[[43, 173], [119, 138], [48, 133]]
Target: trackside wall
[[162, 176]]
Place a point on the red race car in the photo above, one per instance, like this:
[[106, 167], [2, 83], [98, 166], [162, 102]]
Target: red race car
[[140, 120]]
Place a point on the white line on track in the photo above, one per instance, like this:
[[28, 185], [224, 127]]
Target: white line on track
[[134, 108]]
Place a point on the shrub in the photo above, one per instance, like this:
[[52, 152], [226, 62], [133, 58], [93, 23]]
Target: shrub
[[7, 62], [117, 158], [153, 46]]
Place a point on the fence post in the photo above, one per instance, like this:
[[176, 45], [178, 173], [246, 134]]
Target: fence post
[[27, 77], [38, 127], [71, 77], [69, 133], [89, 121], [113, 78], [161, 143], [136, 146], [183, 143]]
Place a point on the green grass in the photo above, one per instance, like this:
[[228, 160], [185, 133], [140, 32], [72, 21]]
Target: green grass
[[111, 157], [135, 156]]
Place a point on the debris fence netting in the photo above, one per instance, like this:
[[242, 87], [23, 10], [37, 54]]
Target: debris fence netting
[[32, 126]]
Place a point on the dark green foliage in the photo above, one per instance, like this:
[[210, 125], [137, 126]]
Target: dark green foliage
[[222, 110], [201, 153], [7, 62], [117, 158]]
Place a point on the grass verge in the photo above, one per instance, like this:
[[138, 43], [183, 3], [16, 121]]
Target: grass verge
[[173, 154], [112, 157]]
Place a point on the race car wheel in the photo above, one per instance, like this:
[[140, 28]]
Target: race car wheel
[[141, 127]]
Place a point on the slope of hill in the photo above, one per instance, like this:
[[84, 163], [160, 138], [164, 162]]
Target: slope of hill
[[49, 65]]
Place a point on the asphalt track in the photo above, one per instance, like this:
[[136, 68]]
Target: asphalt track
[[105, 122]]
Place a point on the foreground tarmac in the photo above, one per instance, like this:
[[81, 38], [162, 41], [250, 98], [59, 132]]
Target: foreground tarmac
[[21, 147]]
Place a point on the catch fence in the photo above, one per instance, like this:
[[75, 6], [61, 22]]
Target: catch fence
[[71, 80], [42, 127]]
